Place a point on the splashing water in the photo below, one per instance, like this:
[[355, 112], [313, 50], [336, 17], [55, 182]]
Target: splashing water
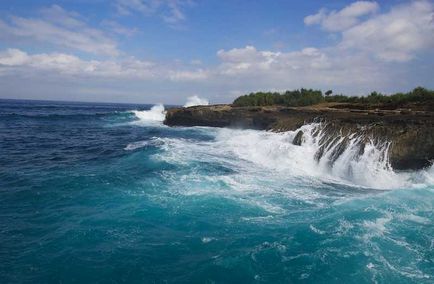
[[196, 101], [276, 153], [156, 114]]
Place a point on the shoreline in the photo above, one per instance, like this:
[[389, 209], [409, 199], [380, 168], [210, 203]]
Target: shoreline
[[410, 132]]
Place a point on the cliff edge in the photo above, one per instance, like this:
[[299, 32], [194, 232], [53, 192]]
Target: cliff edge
[[410, 133]]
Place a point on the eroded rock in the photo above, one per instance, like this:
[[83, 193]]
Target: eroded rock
[[411, 133]]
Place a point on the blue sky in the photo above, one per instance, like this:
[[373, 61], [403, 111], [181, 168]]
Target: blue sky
[[152, 51]]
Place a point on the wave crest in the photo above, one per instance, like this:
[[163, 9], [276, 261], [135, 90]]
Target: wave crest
[[196, 101], [156, 114], [266, 153]]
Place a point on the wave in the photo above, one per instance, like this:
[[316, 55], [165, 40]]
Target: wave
[[196, 101], [154, 141], [156, 114], [352, 161], [349, 159]]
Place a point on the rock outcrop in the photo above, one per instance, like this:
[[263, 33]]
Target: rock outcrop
[[410, 133]]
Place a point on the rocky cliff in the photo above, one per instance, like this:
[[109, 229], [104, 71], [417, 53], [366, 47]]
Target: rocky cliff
[[409, 134]]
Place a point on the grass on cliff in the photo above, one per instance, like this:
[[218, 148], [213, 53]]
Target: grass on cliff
[[306, 97]]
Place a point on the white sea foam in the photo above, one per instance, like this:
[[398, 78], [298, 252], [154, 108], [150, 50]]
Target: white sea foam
[[254, 151], [154, 141], [316, 230], [156, 114], [206, 240], [276, 151], [196, 101], [256, 154], [136, 145]]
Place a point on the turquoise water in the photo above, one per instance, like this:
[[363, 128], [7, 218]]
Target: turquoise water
[[103, 193]]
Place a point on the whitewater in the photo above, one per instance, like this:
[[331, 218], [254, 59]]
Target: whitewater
[[275, 152], [106, 192]]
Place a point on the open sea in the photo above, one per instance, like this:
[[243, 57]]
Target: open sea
[[105, 193]]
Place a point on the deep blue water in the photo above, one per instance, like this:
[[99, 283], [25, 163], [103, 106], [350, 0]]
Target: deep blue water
[[97, 193]]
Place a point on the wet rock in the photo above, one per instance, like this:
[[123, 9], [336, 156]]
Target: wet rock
[[298, 139], [411, 133]]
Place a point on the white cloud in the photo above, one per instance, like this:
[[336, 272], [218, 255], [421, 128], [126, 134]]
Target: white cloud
[[249, 60], [59, 64], [241, 68], [57, 15], [13, 57], [171, 11], [343, 19], [360, 62], [374, 52], [188, 75], [397, 35], [316, 18], [60, 28], [116, 28], [242, 60], [65, 64], [175, 13], [394, 36], [146, 7], [196, 62]]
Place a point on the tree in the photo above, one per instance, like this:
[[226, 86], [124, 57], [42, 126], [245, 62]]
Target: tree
[[306, 97]]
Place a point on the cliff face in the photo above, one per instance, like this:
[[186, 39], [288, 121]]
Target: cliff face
[[411, 134]]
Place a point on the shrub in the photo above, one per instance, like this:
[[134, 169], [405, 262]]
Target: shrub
[[306, 97], [303, 97]]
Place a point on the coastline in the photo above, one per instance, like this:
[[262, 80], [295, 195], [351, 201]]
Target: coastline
[[410, 132]]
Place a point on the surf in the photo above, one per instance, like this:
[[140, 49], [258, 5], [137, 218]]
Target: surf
[[156, 114], [351, 160]]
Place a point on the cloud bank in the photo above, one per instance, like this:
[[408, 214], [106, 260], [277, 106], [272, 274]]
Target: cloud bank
[[374, 49], [59, 28]]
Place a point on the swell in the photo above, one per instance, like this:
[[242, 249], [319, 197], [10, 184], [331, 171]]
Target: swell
[[70, 116], [155, 114]]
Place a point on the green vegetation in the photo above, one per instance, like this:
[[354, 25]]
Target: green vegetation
[[306, 97], [303, 97]]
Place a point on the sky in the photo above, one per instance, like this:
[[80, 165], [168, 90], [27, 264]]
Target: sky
[[164, 51]]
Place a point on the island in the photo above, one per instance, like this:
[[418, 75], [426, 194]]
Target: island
[[404, 120]]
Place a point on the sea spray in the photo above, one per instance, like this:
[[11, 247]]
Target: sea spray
[[196, 101], [156, 114], [275, 153]]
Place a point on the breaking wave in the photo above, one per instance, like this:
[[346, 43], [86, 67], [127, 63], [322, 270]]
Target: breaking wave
[[347, 160], [352, 159], [156, 114], [155, 141], [196, 101]]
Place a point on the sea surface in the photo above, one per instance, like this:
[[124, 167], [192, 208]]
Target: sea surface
[[105, 193]]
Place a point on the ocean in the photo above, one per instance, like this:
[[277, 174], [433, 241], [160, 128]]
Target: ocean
[[105, 193]]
